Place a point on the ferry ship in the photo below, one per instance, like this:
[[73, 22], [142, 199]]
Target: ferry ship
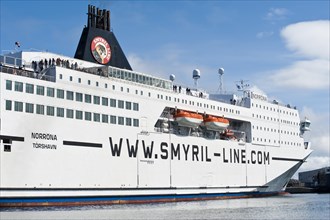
[[89, 130]]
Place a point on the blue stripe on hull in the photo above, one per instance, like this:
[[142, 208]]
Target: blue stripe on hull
[[99, 200]]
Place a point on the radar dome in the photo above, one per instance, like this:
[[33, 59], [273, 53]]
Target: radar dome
[[196, 74], [221, 71], [172, 77]]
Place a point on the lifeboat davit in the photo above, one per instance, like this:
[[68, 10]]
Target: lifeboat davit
[[216, 123], [188, 119]]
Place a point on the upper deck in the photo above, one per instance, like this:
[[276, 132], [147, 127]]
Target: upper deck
[[41, 65]]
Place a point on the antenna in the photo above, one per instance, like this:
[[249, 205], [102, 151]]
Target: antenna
[[196, 76], [221, 71], [242, 85]]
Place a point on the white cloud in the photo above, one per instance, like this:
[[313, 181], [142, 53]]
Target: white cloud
[[277, 13], [307, 74], [309, 40], [264, 34]]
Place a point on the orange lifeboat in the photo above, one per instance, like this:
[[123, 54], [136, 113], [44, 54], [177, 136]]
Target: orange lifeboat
[[216, 123], [188, 119]]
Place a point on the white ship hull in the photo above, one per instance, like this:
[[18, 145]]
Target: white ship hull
[[101, 165], [99, 134]]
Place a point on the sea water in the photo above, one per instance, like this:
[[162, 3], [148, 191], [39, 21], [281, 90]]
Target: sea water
[[290, 206]]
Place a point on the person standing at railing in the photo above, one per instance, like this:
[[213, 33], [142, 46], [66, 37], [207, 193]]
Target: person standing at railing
[[41, 65]]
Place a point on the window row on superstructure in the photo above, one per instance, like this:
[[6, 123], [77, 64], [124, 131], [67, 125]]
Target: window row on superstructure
[[199, 104], [71, 95], [163, 97], [274, 109], [69, 113], [274, 119], [274, 130], [269, 141]]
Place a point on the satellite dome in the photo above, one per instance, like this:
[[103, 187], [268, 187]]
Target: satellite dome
[[196, 74], [172, 77], [221, 71]]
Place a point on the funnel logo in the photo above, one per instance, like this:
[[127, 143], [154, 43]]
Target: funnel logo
[[100, 49]]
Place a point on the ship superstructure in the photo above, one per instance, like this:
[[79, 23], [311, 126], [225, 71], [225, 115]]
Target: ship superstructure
[[79, 132]]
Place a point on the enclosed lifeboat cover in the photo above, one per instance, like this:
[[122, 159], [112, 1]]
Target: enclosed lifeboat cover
[[216, 123], [188, 119]]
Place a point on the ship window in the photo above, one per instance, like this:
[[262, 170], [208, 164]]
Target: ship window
[[60, 93], [96, 117], [61, 76], [29, 88], [40, 90], [136, 122], [69, 113], [113, 119], [136, 92], [96, 100], [50, 92], [120, 120], [9, 84], [128, 105], [105, 101], [120, 104], [149, 94], [128, 121], [59, 112], [105, 118], [113, 87], [50, 110], [8, 105], [88, 98], [127, 90], [121, 89], [18, 106], [79, 97], [105, 85], [88, 82], [79, 80], [141, 93], [79, 115], [88, 116], [113, 102], [19, 86], [40, 109], [136, 106], [70, 78], [28, 107], [7, 148], [97, 84], [69, 95]]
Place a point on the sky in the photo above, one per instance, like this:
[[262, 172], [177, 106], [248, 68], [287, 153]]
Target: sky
[[280, 47]]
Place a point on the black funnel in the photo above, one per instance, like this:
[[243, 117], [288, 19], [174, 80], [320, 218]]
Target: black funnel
[[98, 43]]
